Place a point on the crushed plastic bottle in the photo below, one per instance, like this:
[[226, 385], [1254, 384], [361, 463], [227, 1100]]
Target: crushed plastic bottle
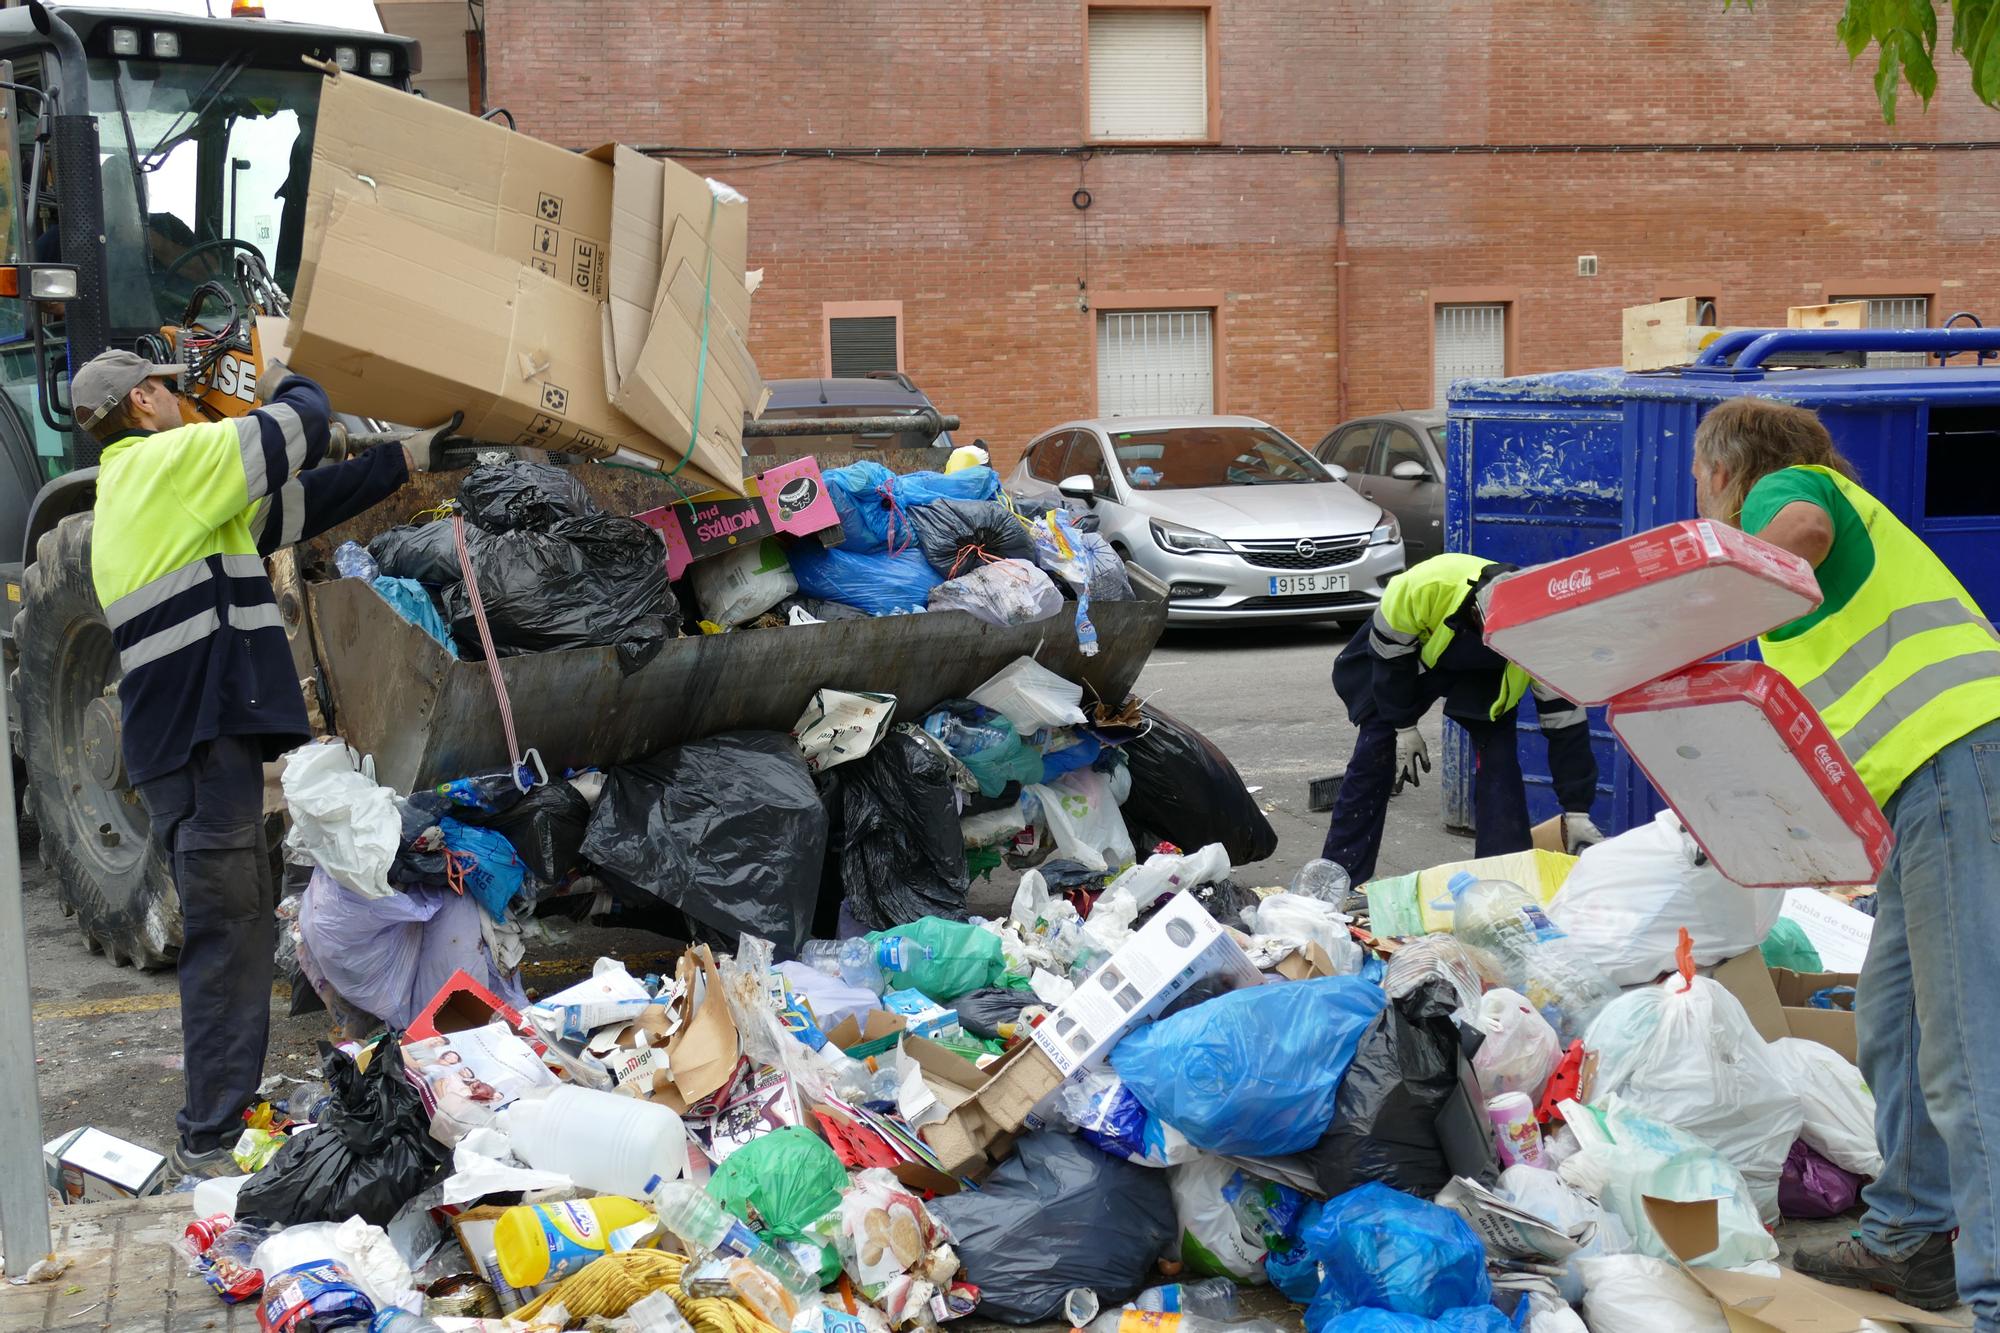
[[687, 1211], [1211, 1298], [354, 562], [1322, 879], [1505, 921], [862, 963], [1163, 1321]]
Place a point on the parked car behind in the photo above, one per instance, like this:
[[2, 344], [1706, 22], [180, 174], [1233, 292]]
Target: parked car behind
[[883, 394], [1236, 519], [1396, 460]]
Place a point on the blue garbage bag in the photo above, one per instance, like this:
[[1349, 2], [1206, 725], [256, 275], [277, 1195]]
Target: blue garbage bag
[[1386, 1250], [878, 583], [870, 500], [494, 871], [1294, 1270], [1465, 1319], [412, 602], [1252, 1073]]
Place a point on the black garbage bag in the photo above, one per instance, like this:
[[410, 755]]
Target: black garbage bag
[[413, 868], [370, 1153], [546, 827], [1055, 1216], [729, 830], [951, 531], [901, 855], [982, 1011], [1409, 1113], [1224, 900], [507, 497], [425, 552], [1186, 791], [596, 580]]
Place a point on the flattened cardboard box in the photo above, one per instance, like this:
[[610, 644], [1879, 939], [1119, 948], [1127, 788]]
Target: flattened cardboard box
[[981, 1128]]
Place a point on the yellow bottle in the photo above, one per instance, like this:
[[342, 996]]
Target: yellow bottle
[[545, 1241]]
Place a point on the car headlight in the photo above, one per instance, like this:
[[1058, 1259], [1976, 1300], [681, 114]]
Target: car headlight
[[1388, 533], [1174, 537]]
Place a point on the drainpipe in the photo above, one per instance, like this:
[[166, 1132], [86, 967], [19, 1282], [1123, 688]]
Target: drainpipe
[[1340, 286]]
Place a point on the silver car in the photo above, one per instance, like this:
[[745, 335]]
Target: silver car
[[1238, 521]]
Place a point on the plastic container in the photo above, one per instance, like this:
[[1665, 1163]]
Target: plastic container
[[354, 562], [606, 1143], [1211, 1298], [862, 963], [1322, 879], [218, 1195], [1506, 922], [1159, 1321], [1515, 1131], [687, 1211], [537, 1242]]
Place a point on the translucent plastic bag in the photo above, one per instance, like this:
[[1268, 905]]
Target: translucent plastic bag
[[1083, 819], [1627, 1157], [1212, 1244], [1379, 1248], [1520, 1050], [1031, 696], [342, 821], [1302, 920], [878, 583], [736, 587], [1839, 1109], [1253, 1073], [1684, 1053], [1004, 592], [1630, 1293], [389, 956]]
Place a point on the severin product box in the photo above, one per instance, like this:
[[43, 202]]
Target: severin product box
[[1603, 622], [1181, 945], [1755, 775]]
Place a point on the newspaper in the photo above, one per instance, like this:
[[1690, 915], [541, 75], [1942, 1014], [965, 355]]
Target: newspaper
[[1508, 1231]]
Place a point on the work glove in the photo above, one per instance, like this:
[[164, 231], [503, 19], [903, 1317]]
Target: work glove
[[1579, 832], [427, 447], [1410, 753], [272, 378]]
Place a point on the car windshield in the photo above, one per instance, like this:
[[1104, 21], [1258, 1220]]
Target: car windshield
[[1437, 437], [1184, 458], [195, 157]]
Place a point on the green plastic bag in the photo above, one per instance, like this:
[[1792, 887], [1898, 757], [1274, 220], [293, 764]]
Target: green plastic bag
[[962, 957], [1010, 761], [781, 1183], [1787, 947]]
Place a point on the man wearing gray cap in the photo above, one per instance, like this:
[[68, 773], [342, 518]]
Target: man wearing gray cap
[[186, 513]]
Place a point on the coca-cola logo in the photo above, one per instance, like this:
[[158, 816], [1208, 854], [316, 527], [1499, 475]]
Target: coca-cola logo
[[1570, 584], [1829, 763]]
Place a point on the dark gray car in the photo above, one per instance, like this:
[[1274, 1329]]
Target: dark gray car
[[1397, 460]]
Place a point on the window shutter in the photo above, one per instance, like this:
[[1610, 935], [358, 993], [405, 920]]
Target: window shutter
[[1155, 363], [1470, 342], [862, 345], [1148, 74]]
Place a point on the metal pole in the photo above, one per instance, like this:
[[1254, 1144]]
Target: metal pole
[[24, 1198]]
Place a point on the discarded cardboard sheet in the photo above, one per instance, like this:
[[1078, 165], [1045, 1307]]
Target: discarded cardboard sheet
[[1306, 963], [1779, 1002], [981, 1128], [1510, 1231], [1789, 1302]]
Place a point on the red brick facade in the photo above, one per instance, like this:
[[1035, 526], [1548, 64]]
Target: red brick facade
[[999, 276]]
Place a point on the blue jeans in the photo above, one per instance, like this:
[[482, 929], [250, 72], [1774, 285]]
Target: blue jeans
[[1929, 997]]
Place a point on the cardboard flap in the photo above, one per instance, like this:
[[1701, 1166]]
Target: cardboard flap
[[701, 1057], [1789, 1302]]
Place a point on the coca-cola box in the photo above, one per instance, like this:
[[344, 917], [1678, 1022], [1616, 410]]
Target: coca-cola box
[[790, 498]]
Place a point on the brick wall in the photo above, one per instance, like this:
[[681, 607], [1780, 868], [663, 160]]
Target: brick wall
[[990, 259]]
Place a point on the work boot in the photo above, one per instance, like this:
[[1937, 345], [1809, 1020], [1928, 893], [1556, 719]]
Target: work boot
[[1927, 1279], [203, 1165]]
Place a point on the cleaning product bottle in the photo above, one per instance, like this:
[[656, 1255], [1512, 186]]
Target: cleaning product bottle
[[1505, 921], [540, 1241], [605, 1142]]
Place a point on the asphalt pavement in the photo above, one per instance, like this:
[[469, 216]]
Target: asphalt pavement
[[108, 1038]]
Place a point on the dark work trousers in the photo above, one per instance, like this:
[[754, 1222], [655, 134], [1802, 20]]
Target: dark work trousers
[[209, 817], [1499, 800]]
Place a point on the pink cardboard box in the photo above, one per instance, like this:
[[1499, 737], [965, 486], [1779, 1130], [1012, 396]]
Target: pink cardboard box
[[789, 498], [1597, 624]]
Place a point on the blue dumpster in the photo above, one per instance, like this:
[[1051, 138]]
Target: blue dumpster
[[1543, 466]]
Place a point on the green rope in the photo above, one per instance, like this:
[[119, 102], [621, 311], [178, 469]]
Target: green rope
[[701, 366]]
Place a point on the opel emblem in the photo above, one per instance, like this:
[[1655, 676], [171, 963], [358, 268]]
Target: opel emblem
[[1307, 548]]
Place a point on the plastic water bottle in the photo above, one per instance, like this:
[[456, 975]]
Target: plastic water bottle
[[606, 1143], [861, 962], [354, 562], [1322, 879], [1115, 1321], [1505, 921], [686, 1210], [393, 1320], [1211, 1298]]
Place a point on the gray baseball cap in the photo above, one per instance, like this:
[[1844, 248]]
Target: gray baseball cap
[[105, 380]]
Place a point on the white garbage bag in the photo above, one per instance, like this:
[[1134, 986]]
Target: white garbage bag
[[1209, 1230], [1839, 1108], [1685, 1054], [1627, 898], [1629, 1293], [1031, 696], [1303, 920], [341, 820], [1083, 818], [736, 587], [1521, 1050]]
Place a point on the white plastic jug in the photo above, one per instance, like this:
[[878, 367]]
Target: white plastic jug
[[605, 1142]]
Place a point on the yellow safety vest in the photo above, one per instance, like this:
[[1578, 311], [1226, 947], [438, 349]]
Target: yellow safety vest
[[1415, 614], [1908, 666]]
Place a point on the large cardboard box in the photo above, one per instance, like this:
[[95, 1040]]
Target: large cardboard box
[[1596, 624], [1181, 945], [1755, 776], [1779, 1002]]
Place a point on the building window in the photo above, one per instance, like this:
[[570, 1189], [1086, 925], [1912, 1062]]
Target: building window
[[1150, 71], [1155, 363], [1468, 342], [1894, 312], [863, 337]]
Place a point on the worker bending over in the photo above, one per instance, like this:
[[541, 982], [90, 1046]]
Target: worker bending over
[[1905, 670], [1426, 643], [185, 516]]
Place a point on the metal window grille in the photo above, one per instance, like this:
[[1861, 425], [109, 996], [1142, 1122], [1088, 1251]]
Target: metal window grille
[[1155, 363], [1470, 341], [1895, 312]]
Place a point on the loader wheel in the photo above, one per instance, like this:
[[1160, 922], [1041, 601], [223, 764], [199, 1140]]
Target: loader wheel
[[95, 834]]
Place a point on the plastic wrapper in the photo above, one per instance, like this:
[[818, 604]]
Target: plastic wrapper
[[1186, 791], [1811, 1186], [1004, 592], [1382, 1249], [878, 583], [729, 830], [503, 497], [896, 834], [956, 535], [545, 828], [370, 1152], [1018, 1237], [1839, 1109], [1097, 1105], [883, 1233], [599, 580], [1252, 1072], [424, 552], [312, 1298], [224, 1253], [1520, 1050]]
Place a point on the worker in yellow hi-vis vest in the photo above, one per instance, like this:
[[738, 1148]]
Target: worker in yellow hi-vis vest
[[1905, 669]]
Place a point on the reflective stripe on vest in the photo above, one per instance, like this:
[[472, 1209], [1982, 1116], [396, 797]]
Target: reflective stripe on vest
[[141, 639], [1435, 590], [1908, 666]]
